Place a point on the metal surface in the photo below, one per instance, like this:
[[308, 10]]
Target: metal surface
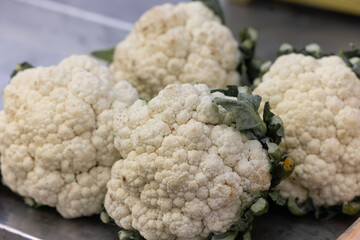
[[280, 224], [43, 32], [17, 221], [46, 223]]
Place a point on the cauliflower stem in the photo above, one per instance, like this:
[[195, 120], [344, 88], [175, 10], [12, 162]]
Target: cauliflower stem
[[308, 206], [31, 202]]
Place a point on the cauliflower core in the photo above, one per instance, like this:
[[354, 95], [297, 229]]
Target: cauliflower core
[[187, 172], [318, 101], [56, 138], [185, 43]]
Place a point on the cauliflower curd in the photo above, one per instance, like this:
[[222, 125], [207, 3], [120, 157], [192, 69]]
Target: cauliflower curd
[[186, 171], [318, 101], [56, 139], [185, 43]]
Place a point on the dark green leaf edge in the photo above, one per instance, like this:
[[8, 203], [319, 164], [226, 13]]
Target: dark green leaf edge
[[129, 235], [312, 49], [268, 131], [31, 202], [123, 234], [20, 67], [308, 206], [105, 218], [215, 6], [107, 55], [251, 68], [352, 58], [146, 99]]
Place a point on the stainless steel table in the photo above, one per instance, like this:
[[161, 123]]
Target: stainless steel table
[[20, 222]]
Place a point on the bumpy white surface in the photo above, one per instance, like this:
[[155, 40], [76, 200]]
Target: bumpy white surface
[[185, 43], [186, 171], [318, 101], [56, 138]]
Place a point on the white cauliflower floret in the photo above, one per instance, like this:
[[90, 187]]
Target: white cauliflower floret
[[187, 172], [318, 101], [185, 43], [56, 136]]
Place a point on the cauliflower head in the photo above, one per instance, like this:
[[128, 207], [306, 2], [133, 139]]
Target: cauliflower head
[[318, 101], [56, 138], [186, 171], [185, 43]]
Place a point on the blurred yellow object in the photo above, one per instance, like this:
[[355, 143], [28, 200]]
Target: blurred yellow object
[[346, 6]]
